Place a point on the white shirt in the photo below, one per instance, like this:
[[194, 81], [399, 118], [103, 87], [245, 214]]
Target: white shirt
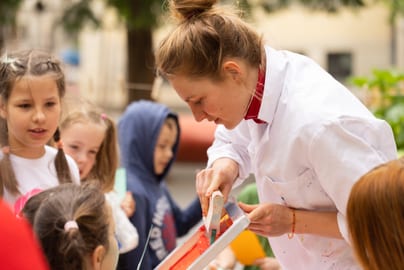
[[318, 141], [38, 173], [125, 232]]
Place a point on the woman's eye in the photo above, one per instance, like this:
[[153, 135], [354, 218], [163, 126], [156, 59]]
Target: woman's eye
[[198, 102]]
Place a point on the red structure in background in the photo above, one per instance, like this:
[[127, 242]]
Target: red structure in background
[[195, 139]]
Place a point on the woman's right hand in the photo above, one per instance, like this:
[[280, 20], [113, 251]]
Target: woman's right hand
[[220, 176]]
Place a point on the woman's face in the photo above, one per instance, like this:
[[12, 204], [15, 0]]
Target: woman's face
[[223, 102]]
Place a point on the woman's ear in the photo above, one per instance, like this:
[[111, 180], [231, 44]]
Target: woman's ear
[[97, 257], [232, 69]]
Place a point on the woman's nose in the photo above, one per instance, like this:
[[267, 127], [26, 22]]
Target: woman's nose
[[199, 114]]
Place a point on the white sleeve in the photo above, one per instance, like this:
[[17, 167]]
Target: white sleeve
[[126, 234], [231, 144], [344, 150]]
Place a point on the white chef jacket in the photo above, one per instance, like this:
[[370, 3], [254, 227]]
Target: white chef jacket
[[318, 141]]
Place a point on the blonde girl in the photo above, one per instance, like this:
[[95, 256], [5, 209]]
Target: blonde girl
[[90, 137], [32, 86]]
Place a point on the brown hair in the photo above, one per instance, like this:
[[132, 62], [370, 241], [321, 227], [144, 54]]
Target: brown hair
[[13, 67], [107, 158], [205, 36], [50, 210], [375, 215]]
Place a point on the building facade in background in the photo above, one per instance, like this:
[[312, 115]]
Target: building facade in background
[[346, 43]]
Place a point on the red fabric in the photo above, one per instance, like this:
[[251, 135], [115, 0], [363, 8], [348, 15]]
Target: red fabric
[[19, 249], [195, 139], [255, 104]]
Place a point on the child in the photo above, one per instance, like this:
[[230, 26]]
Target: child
[[148, 138], [375, 214], [73, 225], [19, 249], [89, 136], [31, 89]]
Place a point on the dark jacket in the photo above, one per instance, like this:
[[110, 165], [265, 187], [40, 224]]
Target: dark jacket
[[138, 131]]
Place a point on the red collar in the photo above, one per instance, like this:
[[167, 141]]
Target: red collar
[[255, 104]]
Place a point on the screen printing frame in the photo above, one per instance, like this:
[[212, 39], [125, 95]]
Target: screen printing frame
[[240, 223]]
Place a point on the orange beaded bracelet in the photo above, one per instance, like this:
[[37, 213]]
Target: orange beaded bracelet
[[291, 234]]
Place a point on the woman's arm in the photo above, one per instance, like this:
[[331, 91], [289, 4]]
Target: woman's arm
[[274, 220]]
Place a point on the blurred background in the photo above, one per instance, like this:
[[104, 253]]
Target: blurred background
[[107, 49]]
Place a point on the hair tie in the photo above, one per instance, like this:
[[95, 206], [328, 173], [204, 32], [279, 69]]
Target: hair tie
[[104, 116], [71, 224], [5, 150], [59, 144]]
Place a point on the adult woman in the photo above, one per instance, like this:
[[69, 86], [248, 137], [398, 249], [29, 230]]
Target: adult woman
[[305, 137]]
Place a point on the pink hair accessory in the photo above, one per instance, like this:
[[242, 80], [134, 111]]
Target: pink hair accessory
[[20, 202], [104, 116], [5, 150], [71, 224]]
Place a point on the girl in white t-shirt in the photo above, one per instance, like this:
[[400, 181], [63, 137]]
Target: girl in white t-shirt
[[89, 136], [31, 89]]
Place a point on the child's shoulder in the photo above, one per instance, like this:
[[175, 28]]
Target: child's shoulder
[[50, 150]]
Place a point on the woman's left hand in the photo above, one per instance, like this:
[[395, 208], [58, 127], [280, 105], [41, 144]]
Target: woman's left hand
[[269, 219]]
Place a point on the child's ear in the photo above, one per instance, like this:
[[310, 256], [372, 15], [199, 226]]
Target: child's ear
[[98, 257]]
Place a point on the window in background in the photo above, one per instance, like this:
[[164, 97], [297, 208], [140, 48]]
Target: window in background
[[339, 65]]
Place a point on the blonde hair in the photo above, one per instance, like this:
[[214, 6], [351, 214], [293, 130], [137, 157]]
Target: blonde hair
[[13, 67], [375, 215], [205, 36], [107, 158]]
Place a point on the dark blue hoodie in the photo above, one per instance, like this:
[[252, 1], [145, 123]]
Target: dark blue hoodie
[[138, 131]]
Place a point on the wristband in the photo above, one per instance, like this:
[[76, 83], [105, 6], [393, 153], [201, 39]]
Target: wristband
[[292, 233]]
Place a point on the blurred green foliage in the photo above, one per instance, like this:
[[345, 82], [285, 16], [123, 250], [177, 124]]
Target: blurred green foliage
[[8, 9], [385, 98]]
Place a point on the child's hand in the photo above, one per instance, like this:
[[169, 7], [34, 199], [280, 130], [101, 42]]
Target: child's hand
[[128, 204]]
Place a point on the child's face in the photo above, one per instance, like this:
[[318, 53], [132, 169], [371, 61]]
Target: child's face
[[82, 141], [163, 152], [32, 114]]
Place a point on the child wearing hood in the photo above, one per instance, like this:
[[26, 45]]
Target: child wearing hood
[[148, 134]]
